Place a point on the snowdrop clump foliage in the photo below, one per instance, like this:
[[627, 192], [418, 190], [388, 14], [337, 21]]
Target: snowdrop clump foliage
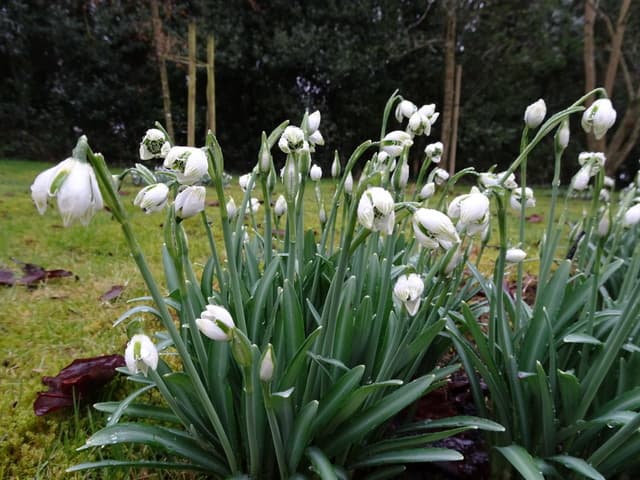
[[294, 346]]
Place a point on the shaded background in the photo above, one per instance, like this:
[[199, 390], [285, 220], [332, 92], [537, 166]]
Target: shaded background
[[90, 67]]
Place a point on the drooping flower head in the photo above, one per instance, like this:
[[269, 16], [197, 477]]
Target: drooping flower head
[[154, 144], [315, 172], [599, 117], [408, 289], [405, 109], [376, 210], [190, 201], [152, 198], [188, 163], [292, 140], [516, 199], [433, 229], [515, 255], [535, 113], [141, 354], [211, 321], [395, 142], [471, 211], [433, 151]]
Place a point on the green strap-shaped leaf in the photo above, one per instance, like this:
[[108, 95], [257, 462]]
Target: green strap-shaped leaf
[[301, 433], [336, 397], [299, 359], [171, 440], [417, 455], [458, 421], [136, 464], [321, 464], [578, 465], [521, 461], [139, 410]]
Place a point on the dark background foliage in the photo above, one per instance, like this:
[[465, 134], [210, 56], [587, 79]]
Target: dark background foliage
[[89, 67]]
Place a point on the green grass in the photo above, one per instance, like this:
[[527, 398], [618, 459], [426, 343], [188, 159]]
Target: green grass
[[43, 329]]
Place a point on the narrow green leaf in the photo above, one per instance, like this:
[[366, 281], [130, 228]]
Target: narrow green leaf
[[334, 399], [458, 421], [569, 393], [578, 465], [301, 433], [136, 310], [139, 410], [581, 338], [616, 441], [417, 455], [410, 441], [521, 461], [321, 464], [292, 372], [547, 411], [146, 464]]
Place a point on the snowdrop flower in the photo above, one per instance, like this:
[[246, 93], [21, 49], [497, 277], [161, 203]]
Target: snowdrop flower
[[419, 125], [405, 109], [154, 145], [292, 140], [394, 142], [188, 163], [315, 173], [580, 180], [281, 206], [535, 113], [515, 255], [604, 225], [376, 210], [313, 122], [471, 211], [440, 176], [516, 199], [152, 198], [433, 228], [316, 138], [599, 117], [408, 289], [510, 180], [253, 206], [433, 151], [562, 137], [243, 181], [267, 365], [210, 321], [141, 354], [231, 208], [609, 182], [348, 184], [190, 201], [605, 196], [631, 216], [427, 191], [73, 183], [401, 176]]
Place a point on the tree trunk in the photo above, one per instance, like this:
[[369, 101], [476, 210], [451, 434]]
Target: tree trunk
[[191, 85], [626, 136], [211, 84], [616, 47], [160, 46], [449, 78], [454, 121], [589, 57]]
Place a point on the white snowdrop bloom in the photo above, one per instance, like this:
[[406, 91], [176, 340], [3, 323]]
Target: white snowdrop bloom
[[190, 201], [609, 182], [433, 228], [152, 198], [605, 196], [408, 289], [348, 184], [454, 261], [515, 255], [74, 185], [510, 180], [419, 124], [631, 216], [267, 365], [563, 134], [440, 176], [315, 173], [516, 199], [405, 109], [599, 117], [211, 318], [403, 175], [604, 225], [141, 354], [188, 163], [231, 208], [376, 210], [427, 191], [292, 140], [243, 181], [313, 122], [472, 212], [429, 111], [280, 207], [580, 180], [433, 151], [535, 113], [316, 138], [154, 145], [253, 206], [394, 142], [488, 179]]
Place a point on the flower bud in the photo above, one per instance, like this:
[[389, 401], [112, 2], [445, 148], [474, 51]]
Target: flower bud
[[243, 181], [190, 201], [264, 158], [631, 216], [515, 255], [280, 207], [231, 208], [141, 354], [315, 173], [562, 137], [599, 117], [348, 184], [335, 166], [152, 198], [427, 191], [316, 138], [604, 225], [313, 122], [535, 113], [290, 178], [580, 180], [322, 215], [267, 365]]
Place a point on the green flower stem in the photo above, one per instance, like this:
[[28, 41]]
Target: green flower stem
[[276, 435], [215, 161], [523, 205], [387, 111], [136, 251], [268, 235], [250, 422], [214, 252]]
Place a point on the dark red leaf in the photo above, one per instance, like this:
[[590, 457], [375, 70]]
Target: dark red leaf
[[82, 378], [113, 293], [7, 277], [58, 273], [535, 218]]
